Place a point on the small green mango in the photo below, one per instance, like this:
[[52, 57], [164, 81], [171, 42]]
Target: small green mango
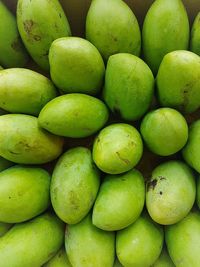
[[59, 260], [129, 86], [164, 260], [40, 23], [32, 243], [113, 28], [74, 186], [24, 91], [4, 164], [77, 115], [195, 36], [4, 228], [88, 246], [24, 142], [119, 194], [165, 29]]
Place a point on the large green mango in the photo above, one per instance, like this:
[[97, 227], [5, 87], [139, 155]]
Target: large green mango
[[59, 260], [195, 36]]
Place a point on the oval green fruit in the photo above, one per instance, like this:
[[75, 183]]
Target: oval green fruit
[[195, 35], [32, 243], [4, 228], [74, 186], [164, 260], [139, 244], [165, 29], [113, 28], [77, 115], [23, 141], [117, 148], [59, 260], [120, 201], [129, 86], [88, 246], [178, 81]]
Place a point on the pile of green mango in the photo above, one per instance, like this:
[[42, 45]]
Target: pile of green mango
[[99, 137]]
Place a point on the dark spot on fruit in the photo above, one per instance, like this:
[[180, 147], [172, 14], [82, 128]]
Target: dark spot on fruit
[[9, 197], [60, 15], [36, 37], [161, 178], [28, 24], [161, 192], [151, 184], [13, 152], [126, 161], [16, 44]]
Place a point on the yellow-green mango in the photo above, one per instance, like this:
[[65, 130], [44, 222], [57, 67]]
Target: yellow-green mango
[[23, 141], [164, 260], [32, 243], [76, 66], [24, 193], [74, 186], [4, 228], [195, 36], [40, 23], [13, 53], [77, 115], [165, 29], [24, 91], [113, 28], [59, 260], [4, 164], [88, 246], [120, 201]]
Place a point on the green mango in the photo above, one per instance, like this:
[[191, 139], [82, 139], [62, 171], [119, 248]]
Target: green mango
[[88, 246], [24, 91], [120, 201], [165, 131], [74, 186], [59, 260], [40, 23], [178, 81], [164, 260], [165, 29], [129, 86], [4, 228], [113, 28], [139, 244], [77, 115], [117, 148], [24, 142], [183, 241], [76, 66], [13, 53], [32, 243], [195, 36], [4, 164], [21, 185]]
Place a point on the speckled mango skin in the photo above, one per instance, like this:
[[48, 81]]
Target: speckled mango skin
[[45, 233], [24, 142], [88, 246], [164, 260], [4, 228], [74, 186], [195, 36], [59, 260], [40, 23]]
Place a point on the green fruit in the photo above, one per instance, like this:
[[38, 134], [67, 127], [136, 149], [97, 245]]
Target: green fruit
[[140, 244], [24, 91], [4, 164], [129, 86], [171, 192], [4, 227], [113, 28], [178, 81], [122, 195], [183, 241], [88, 246], [59, 260], [77, 115], [22, 141], [40, 23], [198, 192], [21, 185], [31, 243], [164, 131], [76, 66], [74, 186], [195, 36], [13, 53], [164, 260], [117, 148], [165, 29]]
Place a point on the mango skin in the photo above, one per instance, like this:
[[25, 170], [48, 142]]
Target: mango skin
[[76, 66], [24, 91], [26, 244], [39, 23], [4, 228], [13, 53], [139, 244], [184, 248], [129, 86], [119, 194], [164, 260], [113, 28], [165, 131], [195, 36], [76, 116], [74, 186], [59, 260], [88, 246], [24, 142], [171, 16], [178, 81], [117, 148]]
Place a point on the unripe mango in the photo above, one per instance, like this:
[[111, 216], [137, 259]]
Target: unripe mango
[[59, 260], [195, 36]]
